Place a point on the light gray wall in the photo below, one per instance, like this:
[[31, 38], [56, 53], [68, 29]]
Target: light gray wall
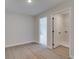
[[19, 29]]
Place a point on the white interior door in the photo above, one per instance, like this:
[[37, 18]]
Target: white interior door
[[43, 31], [57, 30]]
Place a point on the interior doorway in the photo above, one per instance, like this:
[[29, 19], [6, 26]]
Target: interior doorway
[[43, 31], [61, 31]]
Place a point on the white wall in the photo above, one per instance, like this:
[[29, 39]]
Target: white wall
[[51, 12], [19, 29]]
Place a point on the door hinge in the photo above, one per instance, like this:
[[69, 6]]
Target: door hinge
[[53, 44], [53, 31]]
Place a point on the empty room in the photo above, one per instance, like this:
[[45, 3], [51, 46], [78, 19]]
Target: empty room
[[39, 29]]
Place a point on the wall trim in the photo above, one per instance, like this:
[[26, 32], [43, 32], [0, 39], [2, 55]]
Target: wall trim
[[7, 46], [65, 45]]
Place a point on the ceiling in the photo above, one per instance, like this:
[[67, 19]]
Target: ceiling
[[34, 8]]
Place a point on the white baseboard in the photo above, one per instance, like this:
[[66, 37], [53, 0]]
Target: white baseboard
[[63, 44], [6, 46]]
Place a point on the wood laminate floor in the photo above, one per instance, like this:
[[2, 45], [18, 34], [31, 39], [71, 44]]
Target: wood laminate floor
[[62, 51], [30, 51]]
